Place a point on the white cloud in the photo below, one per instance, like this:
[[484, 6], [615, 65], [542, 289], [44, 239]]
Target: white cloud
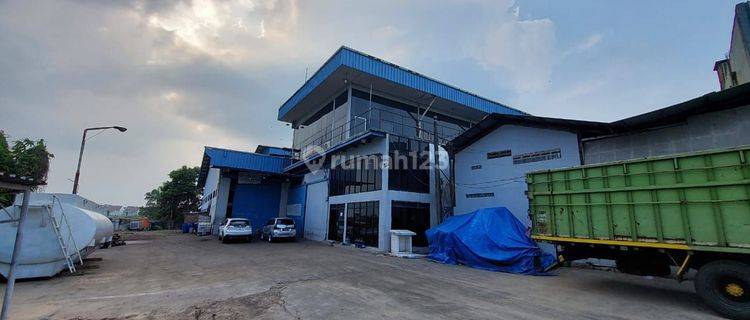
[[229, 31], [583, 46], [522, 50], [184, 74]]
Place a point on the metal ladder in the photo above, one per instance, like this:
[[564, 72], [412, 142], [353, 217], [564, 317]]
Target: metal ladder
[[64, 242]]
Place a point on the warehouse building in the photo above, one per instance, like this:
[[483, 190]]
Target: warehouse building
[[351, 119], [367, 133], [713, 121], [239, 184], [492, 158]]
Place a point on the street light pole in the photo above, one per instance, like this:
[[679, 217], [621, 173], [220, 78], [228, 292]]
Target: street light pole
[[80, 154]]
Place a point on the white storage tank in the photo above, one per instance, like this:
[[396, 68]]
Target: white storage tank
[[80, 227]]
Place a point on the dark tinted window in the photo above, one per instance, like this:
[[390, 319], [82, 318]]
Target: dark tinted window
[[362, 222], [341, 99], [239, 223], [336, 222], [361, 174], [498, 154], [537, 156], [411, 216], [285, 221], [409, 167]]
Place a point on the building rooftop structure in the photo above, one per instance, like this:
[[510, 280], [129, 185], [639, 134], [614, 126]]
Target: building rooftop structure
[[240, 160], [274, 151], [349, 66], [735, 68], [715, 101]]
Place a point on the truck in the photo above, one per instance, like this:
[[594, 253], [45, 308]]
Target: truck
[[658, 216]]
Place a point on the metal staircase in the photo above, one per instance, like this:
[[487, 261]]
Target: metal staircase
[[64, 242]]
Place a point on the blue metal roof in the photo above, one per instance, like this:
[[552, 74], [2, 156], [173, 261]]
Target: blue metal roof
[[368, 64], [274, 151], [240, 160]]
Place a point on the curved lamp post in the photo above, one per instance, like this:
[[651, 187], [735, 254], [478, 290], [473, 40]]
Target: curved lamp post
[[80, 155]]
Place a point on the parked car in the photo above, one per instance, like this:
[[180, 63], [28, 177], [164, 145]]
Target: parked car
[[237, 228], [203, 229], [279, 228]]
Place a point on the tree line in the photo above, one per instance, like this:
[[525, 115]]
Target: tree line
[[175, 197]]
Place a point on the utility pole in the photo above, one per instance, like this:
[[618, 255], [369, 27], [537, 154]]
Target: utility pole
[[11, 283], [436, 164], [80, 154]]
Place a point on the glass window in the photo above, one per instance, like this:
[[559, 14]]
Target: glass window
[[402, 119], [324, 128], [498, 154], [286, 222], [537, 156], [336, 222], [480, 195], [239, 223], [412, 216], [356, 175], [362, 223], [409, 167]]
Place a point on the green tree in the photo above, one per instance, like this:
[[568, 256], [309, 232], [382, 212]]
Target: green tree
[[26, 158], [30, 158], [151, 209], [6, 160], [176, 196]]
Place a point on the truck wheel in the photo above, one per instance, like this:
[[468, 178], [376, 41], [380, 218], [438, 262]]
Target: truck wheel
[[725, 287]]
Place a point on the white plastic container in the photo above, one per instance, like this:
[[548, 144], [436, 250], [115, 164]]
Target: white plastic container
[[41, 254], [401, 242]]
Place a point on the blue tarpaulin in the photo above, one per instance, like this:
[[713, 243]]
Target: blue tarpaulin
[[489, 238]]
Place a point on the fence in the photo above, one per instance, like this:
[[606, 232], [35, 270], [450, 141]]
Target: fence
[[376, 119]]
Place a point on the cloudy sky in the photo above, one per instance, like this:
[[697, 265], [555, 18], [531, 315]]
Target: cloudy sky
[[184, 74]]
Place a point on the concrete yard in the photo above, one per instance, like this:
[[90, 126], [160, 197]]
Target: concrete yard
[[167, 275]]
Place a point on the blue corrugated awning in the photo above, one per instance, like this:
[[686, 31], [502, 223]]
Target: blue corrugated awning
[[360, 62], [240, 160]]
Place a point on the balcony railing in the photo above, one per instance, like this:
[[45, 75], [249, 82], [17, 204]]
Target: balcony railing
[[375, 119]]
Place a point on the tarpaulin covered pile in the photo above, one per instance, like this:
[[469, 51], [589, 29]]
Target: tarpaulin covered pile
[[489, 238]]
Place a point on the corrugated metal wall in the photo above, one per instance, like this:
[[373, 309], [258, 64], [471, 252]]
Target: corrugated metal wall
[[714, 130], [257, 202], [246, 160]]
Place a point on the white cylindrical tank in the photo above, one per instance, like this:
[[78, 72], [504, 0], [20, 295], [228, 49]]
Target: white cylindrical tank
[[81, 228]]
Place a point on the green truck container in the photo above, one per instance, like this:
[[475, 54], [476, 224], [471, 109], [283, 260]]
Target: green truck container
[[691, 211]]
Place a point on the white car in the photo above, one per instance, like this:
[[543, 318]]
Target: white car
[[279, 228], [236, 228]]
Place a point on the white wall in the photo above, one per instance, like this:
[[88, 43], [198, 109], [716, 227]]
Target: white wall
[[218, 209], [385, 196], [739, 57], [500, 176], [318, 201], [212, 182], [316, 205]]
